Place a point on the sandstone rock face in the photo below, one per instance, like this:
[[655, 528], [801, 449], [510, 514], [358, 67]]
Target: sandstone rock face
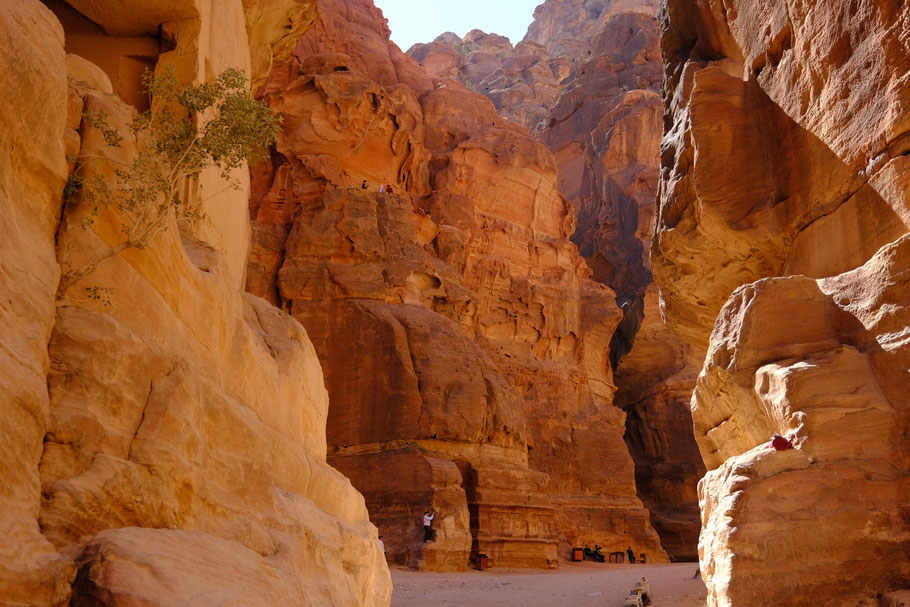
[[834, 381], [32, 175], [167, 445], [586, 81], [133, 566], [273, 29], [782, 156], [655, 382], [523, 82], [564, 25], [766, 161], [465, 349], [605, 132]]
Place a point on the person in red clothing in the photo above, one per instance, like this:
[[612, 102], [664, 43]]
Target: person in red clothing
[[780, 443], [388, 189]]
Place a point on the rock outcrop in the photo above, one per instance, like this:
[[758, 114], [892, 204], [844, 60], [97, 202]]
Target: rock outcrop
[[586, 81], [781, 225], [163, 431], [823, 362], [523, 82], [466, 350]]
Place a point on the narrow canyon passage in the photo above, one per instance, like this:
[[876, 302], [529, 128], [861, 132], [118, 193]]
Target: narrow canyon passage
[[554, 292]]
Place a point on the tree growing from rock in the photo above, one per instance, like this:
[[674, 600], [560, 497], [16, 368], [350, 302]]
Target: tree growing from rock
[[186, 130]]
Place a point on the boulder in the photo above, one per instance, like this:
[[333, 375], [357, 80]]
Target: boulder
[[816, 361], [165, 567]]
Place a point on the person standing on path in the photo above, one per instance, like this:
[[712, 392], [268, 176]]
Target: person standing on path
[[631, 554], [428, 526]]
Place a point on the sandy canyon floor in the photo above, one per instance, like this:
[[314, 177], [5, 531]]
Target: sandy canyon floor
[[572, 584]]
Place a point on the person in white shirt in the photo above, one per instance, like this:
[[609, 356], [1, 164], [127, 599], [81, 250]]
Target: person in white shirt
[[381, 544], [427, 526]]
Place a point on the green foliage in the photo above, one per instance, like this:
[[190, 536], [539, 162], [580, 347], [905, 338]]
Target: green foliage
[[99, 120], [186, 130]]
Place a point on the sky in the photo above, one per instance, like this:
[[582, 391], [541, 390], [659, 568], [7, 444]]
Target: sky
[[413, 21]]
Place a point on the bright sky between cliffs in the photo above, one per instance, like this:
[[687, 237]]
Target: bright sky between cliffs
[[413, 21]]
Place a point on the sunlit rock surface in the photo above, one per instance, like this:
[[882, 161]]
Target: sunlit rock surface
[[784, 137], [824, 362], [165, 439], [32, 174]]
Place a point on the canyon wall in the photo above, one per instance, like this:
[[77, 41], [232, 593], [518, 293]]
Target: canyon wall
[[780, 245], [464, 345], [586, 81], [163, 430]]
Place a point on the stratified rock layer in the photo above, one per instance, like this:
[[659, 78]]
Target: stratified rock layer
[[783, 155], [465, 349], [166, 430], [586, 81]]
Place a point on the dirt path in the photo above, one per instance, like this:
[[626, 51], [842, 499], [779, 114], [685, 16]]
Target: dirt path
[[572, 584]]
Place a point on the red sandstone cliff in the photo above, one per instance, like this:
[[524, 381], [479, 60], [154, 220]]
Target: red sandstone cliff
[[466, 349], [586, 81], [780, 244]]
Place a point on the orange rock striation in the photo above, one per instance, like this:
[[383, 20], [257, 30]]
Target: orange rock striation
[[586, 81], [465, 348], [780, 245]]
